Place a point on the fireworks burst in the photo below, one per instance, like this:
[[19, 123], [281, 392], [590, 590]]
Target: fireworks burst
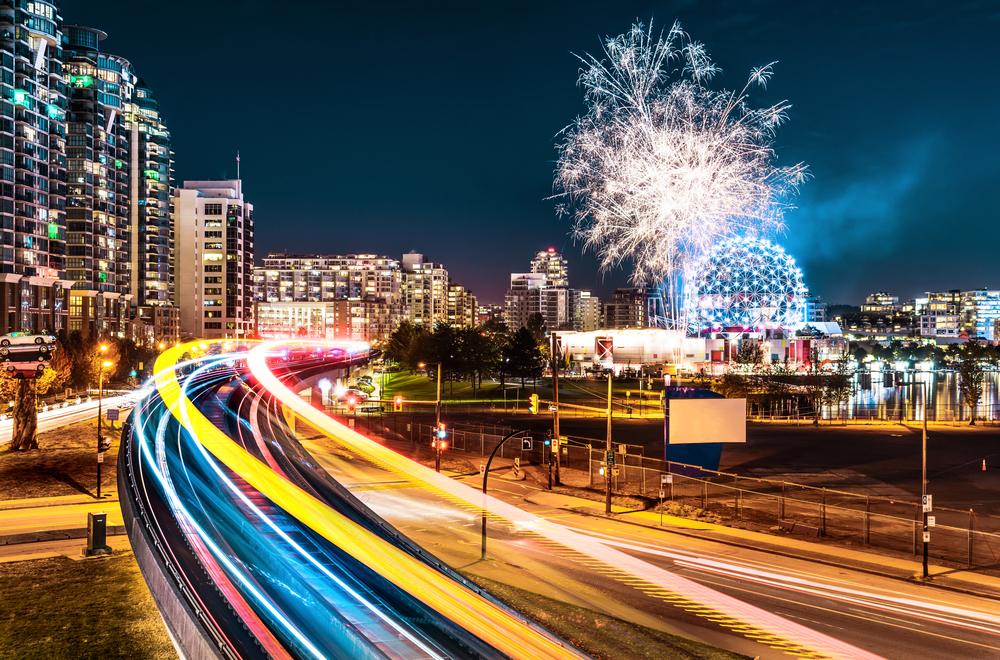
[[744, 282], [661, 167]]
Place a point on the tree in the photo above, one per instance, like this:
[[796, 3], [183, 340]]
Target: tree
[[25, 393], [838, 387], [813, 384], [25, 435], [525, 357], [749, 353], [536, 326], [971, 376], [404, 344]]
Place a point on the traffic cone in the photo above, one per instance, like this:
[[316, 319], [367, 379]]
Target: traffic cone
[[984, 465]]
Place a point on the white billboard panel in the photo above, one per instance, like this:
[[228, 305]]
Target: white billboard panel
[[699, 421]]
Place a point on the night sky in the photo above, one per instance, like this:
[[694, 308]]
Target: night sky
[[397, 126]]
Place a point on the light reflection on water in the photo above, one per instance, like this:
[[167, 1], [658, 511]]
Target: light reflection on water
[[943, 403]]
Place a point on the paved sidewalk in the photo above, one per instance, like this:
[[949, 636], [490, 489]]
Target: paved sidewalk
[[55, 518], [60, 500]]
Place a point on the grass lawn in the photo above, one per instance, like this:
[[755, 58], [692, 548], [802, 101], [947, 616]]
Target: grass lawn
[[422, 388], [65, 463], [603, 637], [60, 608]]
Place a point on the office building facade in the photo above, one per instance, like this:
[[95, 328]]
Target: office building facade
[[213, 227]]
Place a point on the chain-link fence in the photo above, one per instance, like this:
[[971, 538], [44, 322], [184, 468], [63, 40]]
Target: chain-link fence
[[962, 537], [958, 536]]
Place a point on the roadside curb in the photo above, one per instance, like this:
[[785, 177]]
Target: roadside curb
[[56, 535], [25, 505]]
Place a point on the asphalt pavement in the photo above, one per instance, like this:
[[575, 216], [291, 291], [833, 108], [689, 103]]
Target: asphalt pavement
[[891, 617]]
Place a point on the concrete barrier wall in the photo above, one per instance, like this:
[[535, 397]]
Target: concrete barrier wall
[[190, 640]]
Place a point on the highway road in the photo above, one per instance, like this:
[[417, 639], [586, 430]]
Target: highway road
[[274, 566], [343, 548], [890, 618]]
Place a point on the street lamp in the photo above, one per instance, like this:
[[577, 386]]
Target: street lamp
[[100, 400], [437, 412]]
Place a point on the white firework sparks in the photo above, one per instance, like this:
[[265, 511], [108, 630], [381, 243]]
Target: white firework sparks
[[661, 168], [744, 282]]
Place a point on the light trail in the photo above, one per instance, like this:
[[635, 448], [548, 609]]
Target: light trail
[[729, 612], [477, 615], [903, 605]]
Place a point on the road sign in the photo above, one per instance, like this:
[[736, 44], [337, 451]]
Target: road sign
[[661, 494], [615, 472], [526, 444], [927, 502], [350, 422], [610, 458], [927, 537], [482, 469], [112, 414], [930, 521], [100, 457]]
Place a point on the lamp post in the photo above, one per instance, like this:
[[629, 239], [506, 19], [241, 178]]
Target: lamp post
[[923, 478], [100, 401], [556, 449], [607, 453], [437, 416], [486, 475]]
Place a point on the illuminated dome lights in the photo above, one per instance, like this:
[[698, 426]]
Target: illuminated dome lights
[[746, 283]]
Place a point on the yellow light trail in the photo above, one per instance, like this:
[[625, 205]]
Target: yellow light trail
[[750, 621], [466, 608]]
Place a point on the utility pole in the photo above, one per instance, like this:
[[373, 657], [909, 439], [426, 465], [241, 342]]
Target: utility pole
[[437, 427], [556, 449], [924, 479], [607, 452]]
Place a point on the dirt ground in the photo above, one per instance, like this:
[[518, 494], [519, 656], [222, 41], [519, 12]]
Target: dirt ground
[[65, 463]]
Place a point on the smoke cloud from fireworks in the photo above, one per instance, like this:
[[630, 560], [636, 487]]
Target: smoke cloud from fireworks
[[661, 167]]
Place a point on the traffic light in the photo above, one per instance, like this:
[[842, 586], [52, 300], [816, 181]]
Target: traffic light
[[351, 402], [132, 373], [397, 404], [887, 379], [104, 444], [533, 404], [899, 379], [442, 432]]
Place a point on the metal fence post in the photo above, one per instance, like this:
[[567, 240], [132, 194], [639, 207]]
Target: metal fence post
[[736, 496], [781, 503], [969, 562], [590, 468], [704, 494], [822, 525], [867, 523]]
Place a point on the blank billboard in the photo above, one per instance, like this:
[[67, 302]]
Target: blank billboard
[[699, 421]]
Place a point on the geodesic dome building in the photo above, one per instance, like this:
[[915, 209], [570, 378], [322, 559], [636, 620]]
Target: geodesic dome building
[[746, 283]]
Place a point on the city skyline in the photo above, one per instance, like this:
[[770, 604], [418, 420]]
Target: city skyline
[[486, 90]]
